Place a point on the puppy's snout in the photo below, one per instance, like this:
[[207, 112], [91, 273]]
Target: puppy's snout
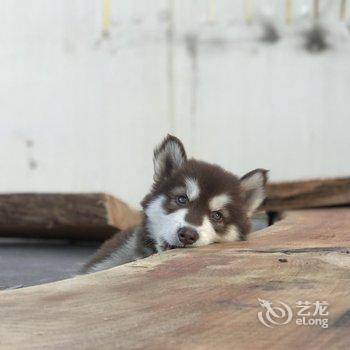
[[187, 235]]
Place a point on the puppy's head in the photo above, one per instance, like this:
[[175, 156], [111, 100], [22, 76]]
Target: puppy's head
[[193, 203]]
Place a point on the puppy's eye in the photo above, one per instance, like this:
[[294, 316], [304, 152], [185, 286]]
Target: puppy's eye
[[181, 200], [216, 216]]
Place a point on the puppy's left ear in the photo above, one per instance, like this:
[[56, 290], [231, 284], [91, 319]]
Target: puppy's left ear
[[254, 189], [168, 157]]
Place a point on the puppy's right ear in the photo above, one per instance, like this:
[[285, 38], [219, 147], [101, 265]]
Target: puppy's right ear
[[254, 189], [168, 157]]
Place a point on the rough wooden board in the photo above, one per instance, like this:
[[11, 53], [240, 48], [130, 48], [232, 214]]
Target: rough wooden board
[[184, 301], [307, 194], [201, 298], [303, 229], [73, 216]]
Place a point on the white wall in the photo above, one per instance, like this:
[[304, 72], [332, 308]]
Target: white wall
[[79, 112]]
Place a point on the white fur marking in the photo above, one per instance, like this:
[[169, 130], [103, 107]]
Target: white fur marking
[[206, 233], [163, 226], [219, 202], [231, 235], [192, 188]]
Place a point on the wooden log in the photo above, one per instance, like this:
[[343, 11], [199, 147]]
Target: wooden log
[[200, 298], [307, 194], [59, 216]]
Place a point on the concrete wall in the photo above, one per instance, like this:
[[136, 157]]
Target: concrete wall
[[80, 111]]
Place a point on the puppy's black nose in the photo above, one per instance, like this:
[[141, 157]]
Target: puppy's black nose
[[187, 235]]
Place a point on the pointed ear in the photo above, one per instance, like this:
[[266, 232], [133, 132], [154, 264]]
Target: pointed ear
[[168, 156], [254, 189]]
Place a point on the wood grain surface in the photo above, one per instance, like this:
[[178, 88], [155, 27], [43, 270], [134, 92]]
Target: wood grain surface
[[201, 298], [307, 194], [74, 216]]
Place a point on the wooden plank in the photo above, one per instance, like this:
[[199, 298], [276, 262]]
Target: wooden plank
[[303, 229], [73, 216], [307, 194], [201, 298]]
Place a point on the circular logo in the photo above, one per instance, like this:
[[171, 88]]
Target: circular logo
[[274, 315]]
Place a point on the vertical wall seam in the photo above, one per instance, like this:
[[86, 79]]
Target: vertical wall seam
[[170, 62]]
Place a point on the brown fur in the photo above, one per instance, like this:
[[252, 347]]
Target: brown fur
[[215, 180], [172, 169]]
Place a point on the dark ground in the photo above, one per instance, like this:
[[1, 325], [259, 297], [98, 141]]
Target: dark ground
[[25, 262]]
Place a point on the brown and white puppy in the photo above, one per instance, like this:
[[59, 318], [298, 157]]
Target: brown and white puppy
[[191, 204]]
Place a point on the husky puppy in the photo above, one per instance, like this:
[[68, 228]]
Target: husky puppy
[[191, 204]]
